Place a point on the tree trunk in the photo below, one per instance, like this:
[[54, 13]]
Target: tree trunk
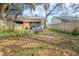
[[45, 24], [48, 15], [45, 20]]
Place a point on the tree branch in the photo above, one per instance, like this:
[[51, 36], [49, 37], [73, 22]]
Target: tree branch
[[51, 11]]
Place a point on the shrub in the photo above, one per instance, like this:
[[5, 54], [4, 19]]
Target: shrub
[[20, 33], [75, 31], [6, 33]]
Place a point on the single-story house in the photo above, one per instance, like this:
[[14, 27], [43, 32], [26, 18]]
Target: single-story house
[[29, 22]]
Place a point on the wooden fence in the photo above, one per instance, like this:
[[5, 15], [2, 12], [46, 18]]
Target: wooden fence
[[66, 26]]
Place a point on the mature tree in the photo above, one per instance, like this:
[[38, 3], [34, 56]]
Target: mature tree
[[46, 8], [3, 9], [14, 8]]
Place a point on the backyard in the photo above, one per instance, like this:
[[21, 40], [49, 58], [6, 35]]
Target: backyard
[[39, 29], [46, 43]]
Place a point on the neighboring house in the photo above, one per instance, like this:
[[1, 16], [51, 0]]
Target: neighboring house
[[29, 22], [68, 23], [55, 21], [66, 18]]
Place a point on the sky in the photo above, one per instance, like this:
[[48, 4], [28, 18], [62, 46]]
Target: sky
[[40, 11]]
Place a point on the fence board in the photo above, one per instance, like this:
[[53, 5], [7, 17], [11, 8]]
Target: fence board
[[66, 26]]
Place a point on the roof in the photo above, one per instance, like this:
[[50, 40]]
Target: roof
[[67, 18], [29, 19]]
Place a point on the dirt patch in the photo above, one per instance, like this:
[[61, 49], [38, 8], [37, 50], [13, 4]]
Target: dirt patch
[[43, 44], [55, 51]]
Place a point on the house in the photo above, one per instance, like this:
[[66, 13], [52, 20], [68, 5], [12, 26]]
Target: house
[[29, 22], [66, 18], [68, 23]]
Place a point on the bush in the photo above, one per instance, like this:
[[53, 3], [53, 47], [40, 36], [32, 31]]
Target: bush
[[20, 33], [75, 31], [6, 33]]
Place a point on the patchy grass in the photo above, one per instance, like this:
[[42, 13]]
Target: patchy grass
[[63, 33], [76, 48], [72, 42], [21, 47], [30, 47], [16, 33], [76, 37], [58, 32], [45, 43]]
